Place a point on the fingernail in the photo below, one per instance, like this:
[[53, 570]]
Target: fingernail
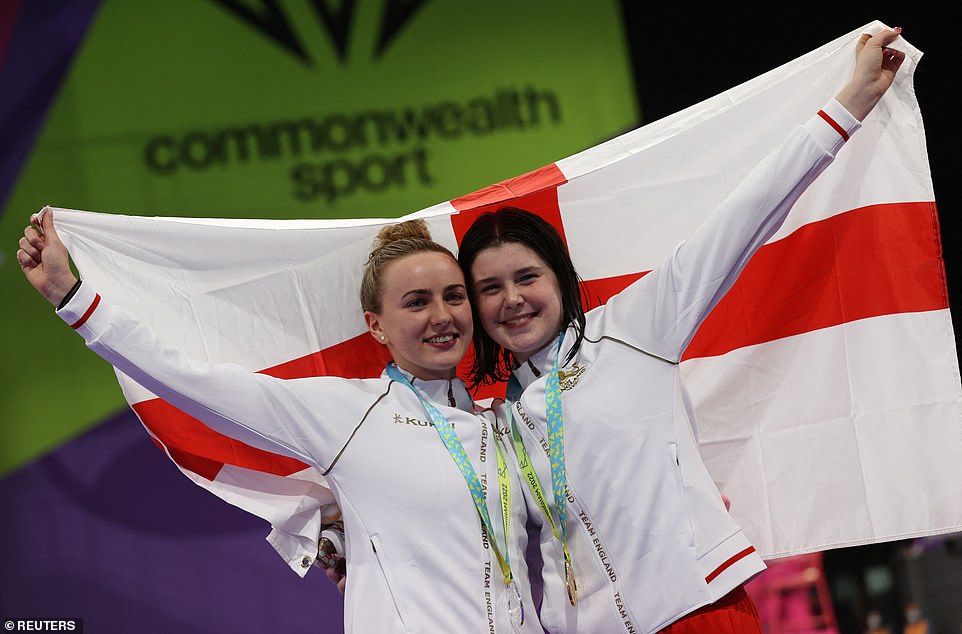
[[898, 29]]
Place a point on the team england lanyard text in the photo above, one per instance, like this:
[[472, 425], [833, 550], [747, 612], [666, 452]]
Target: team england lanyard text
[[459, 455], [559, 480]]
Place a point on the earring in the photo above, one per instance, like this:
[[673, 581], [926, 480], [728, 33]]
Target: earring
[[382, 338]]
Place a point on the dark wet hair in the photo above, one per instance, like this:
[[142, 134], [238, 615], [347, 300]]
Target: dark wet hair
[[492, 362]]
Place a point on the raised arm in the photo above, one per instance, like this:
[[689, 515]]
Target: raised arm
[[661, 312], [280, 416]]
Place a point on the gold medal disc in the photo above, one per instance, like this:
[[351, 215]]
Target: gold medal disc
[[572, 585]]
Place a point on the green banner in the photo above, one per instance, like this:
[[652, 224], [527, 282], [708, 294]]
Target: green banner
[[290, 110]]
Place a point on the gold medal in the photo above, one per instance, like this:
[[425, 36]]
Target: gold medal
[[572, 585]]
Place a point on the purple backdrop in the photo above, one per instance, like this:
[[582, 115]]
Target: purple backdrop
[[106, 529]]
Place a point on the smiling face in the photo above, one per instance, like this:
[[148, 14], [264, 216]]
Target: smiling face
[[425, 317], [517, 298]]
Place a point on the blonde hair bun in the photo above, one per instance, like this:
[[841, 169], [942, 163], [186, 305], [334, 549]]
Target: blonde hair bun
[[401, 231], [394, 242]]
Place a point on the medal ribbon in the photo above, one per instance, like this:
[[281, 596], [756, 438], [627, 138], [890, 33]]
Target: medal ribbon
[[524, 462], [556, 457], [460, 457]]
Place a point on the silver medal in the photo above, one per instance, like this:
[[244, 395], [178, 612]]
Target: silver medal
[[515, 605]]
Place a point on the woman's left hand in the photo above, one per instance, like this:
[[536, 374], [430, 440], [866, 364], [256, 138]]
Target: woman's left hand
[[875, 68]]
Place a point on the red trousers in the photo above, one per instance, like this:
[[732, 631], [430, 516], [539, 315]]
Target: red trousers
[[734, 613]]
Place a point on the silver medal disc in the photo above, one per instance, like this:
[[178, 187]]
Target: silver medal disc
[[515, 605]]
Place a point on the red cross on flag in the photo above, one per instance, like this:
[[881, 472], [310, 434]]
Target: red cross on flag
[[825, 382]]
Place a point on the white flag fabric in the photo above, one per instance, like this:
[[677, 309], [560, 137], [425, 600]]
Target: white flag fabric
[[825, 383]]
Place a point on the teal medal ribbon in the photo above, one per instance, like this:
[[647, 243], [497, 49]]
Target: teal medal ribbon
[[456, 450], [556, 457]]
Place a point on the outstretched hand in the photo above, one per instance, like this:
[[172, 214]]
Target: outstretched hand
[[875, 68], [44, 259]]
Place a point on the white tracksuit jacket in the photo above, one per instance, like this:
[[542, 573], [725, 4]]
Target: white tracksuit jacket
[[418, 558], [648, 531]]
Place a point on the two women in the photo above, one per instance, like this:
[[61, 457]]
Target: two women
[[429, 551], [640, 538]]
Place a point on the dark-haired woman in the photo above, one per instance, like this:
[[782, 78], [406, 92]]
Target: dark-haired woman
[[635, 535]]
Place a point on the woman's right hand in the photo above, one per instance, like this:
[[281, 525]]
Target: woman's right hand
[[44, 259]]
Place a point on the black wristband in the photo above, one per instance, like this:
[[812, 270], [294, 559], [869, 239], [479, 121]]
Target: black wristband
[[70, 293]]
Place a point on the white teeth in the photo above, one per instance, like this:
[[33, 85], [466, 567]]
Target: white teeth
[[440, 339], [518, 320]]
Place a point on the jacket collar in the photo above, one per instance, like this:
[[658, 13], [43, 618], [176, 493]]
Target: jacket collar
[[441, 391], [537, 365]]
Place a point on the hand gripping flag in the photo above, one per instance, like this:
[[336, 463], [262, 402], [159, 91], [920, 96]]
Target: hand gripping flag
[[825, 383]]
